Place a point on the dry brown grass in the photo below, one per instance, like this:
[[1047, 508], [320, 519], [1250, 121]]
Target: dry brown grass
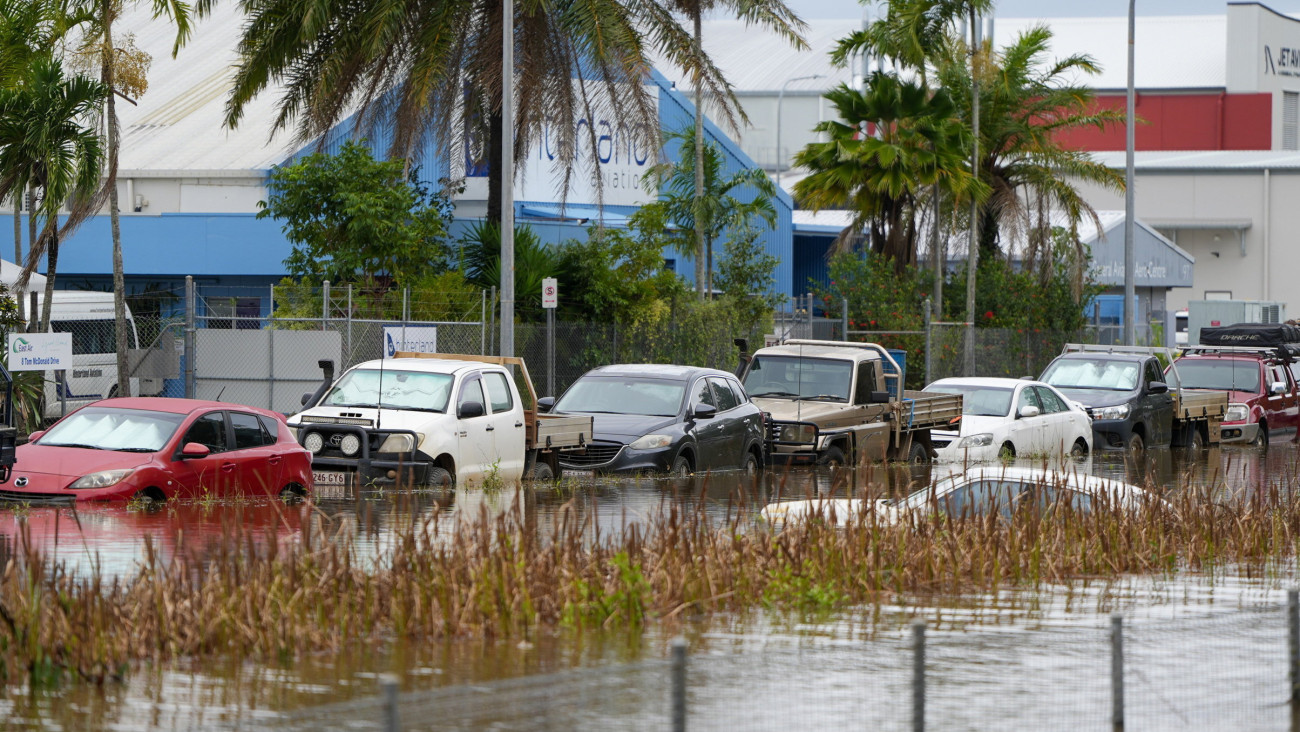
[[252, 595]]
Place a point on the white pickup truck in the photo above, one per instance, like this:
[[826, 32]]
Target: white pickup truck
[[430, 420]]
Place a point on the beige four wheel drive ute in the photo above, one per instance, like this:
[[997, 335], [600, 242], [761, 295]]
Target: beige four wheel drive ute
[[842, 403]]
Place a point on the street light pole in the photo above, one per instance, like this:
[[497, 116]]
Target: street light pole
[[508, 178], [1130, 256], [780, 100]]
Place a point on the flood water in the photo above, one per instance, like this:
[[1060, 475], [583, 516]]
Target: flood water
[[1204, 652]]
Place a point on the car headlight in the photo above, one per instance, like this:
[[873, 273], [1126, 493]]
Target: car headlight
[[1236, 413], [398, 443], [651, 442], [102, 479], [350, 444], [314, 442], [798, 433], [1116, 412], [983, 439]]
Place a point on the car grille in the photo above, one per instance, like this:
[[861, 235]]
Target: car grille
[[24, 497], [598, 453], [940, 444]]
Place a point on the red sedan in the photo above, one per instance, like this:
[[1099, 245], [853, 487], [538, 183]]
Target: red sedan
[[158, 448]]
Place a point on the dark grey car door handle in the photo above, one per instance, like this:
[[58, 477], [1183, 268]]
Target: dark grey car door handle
[[490, 428]]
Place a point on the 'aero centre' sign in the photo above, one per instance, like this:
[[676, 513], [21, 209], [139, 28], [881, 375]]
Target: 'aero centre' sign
[[40, 351]]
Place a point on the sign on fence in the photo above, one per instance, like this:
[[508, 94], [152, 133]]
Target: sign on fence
[[40, 351], [550, 293], [418, 338]]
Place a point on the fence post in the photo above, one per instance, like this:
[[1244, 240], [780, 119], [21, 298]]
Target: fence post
[[388, 683], [270, 357], [1293, 648], [1117, 672], [550, 351], [348, 348], [844, 320], [492, 317], [189, 337], [918, 676], [679, 684], [325, 305], [482, 321]]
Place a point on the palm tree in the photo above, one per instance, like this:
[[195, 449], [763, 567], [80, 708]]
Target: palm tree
[[45, 144], [773, 14], [122, 71], [713, 207], [919, 146], [1026, 103], [419, 67]]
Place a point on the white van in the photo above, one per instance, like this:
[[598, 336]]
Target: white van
[[88, 316]]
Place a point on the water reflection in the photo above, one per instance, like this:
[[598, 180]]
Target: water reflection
[[233, 692]]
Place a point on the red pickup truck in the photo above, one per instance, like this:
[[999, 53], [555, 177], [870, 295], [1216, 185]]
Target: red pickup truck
[[1258, 370]]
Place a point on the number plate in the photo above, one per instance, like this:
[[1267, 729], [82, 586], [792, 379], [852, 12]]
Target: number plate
[[332, 484], [577, 473]]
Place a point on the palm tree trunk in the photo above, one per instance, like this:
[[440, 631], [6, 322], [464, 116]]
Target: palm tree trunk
[[119, 277], [53, 261], [18, 244], [699, 163]]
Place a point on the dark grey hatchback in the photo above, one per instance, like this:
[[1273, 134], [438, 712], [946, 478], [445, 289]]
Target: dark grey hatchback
[[662, 419]]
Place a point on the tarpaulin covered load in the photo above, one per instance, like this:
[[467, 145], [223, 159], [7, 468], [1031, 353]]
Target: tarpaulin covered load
[[1255, 335]]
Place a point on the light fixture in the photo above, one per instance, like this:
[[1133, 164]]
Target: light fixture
[[313, 442]]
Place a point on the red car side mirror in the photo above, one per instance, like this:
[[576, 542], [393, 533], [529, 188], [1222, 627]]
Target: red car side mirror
[[194, 450]]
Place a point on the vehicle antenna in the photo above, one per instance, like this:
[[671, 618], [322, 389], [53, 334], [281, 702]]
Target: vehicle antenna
[[223, 391]]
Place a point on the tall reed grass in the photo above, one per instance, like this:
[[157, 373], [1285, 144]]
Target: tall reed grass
[[250, 594]]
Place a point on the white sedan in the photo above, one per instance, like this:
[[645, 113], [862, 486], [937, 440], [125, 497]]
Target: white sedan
[[1011, 417], [974, 493]]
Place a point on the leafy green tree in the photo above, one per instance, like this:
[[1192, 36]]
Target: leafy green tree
[[618, 275], [46, 144], [352, 218], [721, 204], [747, 275], [919, 145], [480, 261]]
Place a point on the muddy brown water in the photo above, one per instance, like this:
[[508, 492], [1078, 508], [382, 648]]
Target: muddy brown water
[[1196, 638]]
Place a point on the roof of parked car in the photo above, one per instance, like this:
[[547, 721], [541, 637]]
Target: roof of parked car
[[656, 371], [174, 405], [427, 365], [993, 381]]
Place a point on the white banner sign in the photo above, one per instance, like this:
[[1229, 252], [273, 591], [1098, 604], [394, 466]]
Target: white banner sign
[[417, 338], [40, 351], [550, 292]]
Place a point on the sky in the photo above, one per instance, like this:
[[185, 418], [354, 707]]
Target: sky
[[817, 9]]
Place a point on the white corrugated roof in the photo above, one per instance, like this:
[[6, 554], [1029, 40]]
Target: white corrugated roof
[[757, 60], [1203, 159], [177, 125]]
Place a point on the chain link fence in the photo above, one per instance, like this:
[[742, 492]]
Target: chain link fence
[[1220, 671]]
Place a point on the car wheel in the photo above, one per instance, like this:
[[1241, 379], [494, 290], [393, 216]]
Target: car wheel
[[438, 478], [541, 472], [1136, 446], [291, 493], [149, 496], [1079, 450], [1261, 436], [750, 465], [681, 467], [917, 454], [1196, 442], [832, 458], [1008, 451]]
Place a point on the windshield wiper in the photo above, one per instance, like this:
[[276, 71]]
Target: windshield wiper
[[133, 449], [815, 397], [775, 394], [353, 406], [406, 408], [72, 444]]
